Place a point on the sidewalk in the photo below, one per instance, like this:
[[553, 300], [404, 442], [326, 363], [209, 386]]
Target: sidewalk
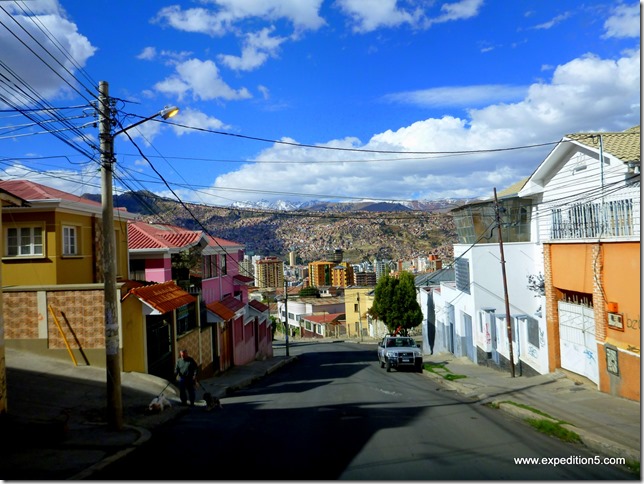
[[608, 425], [55, 427]]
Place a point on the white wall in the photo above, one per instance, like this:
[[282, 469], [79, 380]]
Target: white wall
[[487, 291]]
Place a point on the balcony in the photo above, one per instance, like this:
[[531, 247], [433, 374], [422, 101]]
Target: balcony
[[613, 219]]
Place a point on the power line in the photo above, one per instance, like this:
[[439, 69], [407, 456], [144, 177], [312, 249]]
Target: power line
[[358, 150]]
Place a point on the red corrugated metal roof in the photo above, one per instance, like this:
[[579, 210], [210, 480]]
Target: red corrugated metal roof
[[28, 190], [220, 310], [142, 235], [217, 242], [324, 318], [243, 279], [163, 297], [232, 303], [260, 306]]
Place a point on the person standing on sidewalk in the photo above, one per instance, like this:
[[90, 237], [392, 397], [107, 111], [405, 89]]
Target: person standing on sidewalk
[[186, 370]]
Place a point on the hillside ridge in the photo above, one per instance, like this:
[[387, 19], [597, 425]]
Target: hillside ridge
[[364, 231]]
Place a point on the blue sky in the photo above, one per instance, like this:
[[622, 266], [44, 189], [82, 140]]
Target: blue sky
[[312, 99]]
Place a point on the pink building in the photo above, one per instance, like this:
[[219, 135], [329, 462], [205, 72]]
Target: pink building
[[240, 330]]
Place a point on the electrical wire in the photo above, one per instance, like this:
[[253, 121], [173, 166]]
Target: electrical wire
[[358, 150]]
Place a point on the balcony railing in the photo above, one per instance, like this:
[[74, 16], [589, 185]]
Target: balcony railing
[[610, 219]]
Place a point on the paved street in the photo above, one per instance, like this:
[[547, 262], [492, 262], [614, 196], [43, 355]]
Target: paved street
[[334, 414]]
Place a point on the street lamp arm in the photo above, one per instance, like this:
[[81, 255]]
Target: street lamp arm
[[166, 113]]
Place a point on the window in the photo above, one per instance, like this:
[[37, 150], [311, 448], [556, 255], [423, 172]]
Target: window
[[223, 265], [207, 273], [186, 319], [462, 275], [70, 240], [25, 241], [533, 331]]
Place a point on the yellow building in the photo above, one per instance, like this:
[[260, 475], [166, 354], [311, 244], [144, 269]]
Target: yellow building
[[342, 275], [7, 200], [57, 239], [52, 271], [320, 273], [269, 272], [357, 301]]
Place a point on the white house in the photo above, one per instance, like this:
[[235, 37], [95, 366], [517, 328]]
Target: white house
[[586, 202], [471, 312]]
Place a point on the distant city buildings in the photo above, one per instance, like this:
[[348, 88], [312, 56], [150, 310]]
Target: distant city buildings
[[269, 272], [365, 279], [321, 273], [342, 275]]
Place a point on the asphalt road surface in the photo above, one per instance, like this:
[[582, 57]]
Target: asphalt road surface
[[335, 414]]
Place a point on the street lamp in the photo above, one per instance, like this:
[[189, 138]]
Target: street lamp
[[112, 350]]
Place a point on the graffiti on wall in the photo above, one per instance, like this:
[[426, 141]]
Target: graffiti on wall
[[633, 324], [533, 352]]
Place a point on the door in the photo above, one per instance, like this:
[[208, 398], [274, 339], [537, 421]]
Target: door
[[577, 342], [159, 347], [495, 341], [226, 359], [469, 337], [450, 329]]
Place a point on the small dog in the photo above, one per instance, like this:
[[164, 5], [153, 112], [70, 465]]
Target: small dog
[[212, 401], [159, 404]]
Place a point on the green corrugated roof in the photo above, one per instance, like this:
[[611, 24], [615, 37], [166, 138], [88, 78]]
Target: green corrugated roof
[[624, 145]]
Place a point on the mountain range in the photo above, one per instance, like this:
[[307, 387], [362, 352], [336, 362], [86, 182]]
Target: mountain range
[[364, 230]]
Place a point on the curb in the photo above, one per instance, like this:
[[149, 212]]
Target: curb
[[144, 436], [601, 445], [604, 446], [591, 441]]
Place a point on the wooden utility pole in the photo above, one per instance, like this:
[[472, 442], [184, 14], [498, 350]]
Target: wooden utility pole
[[508, 319], [286, 326], [112, 346]]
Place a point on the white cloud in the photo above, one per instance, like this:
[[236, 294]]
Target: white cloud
[[551, 23], [48, 22], [148, 53], [461, 10], [369, 15], [458, 96], [221, 19], [258, 47], [195, 119], [146, 132], [87, 180], [624, 21], [265, 91], [588, 93], [201, 79], [303, 14], [197, 20]]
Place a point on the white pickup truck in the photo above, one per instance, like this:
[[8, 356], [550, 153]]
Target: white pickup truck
[[399, 352]]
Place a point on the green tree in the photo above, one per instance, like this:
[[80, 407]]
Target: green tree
[[395, 303], [310, 291]]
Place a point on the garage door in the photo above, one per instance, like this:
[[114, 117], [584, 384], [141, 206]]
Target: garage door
[[577, 340]]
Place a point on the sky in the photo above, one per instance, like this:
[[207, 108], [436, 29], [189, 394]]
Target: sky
[[301, 100]]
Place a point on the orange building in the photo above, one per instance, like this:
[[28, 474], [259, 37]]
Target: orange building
[[588, 194], [320, 273], [342, 275]]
